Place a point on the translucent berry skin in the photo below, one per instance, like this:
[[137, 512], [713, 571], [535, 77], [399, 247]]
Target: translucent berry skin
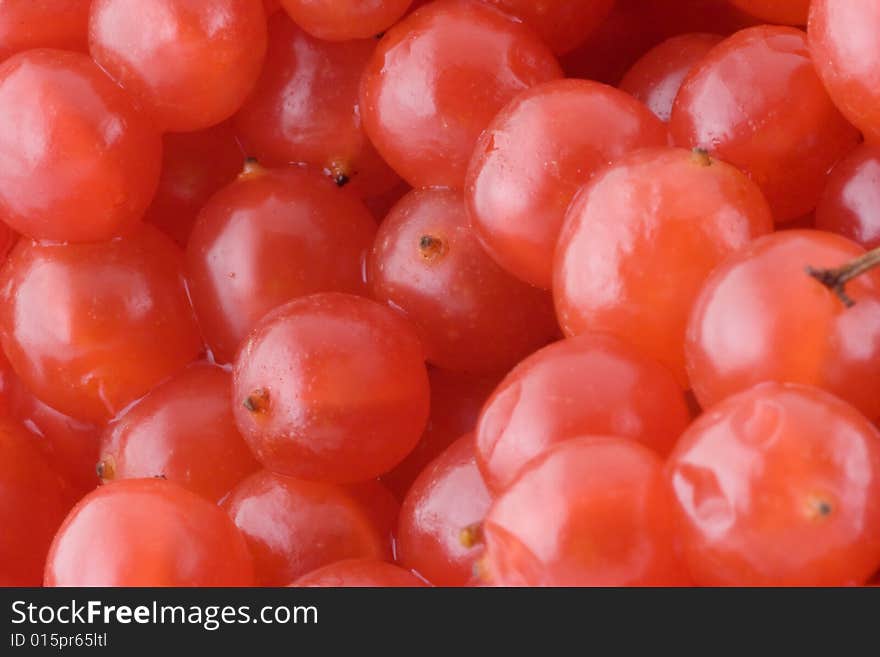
[[779, 486], [271, 236], [195, 165], [849, 202], [69, 446], [760, 317], [558, 525], [90, 328], [29, 24], [304, 108], [846, 52], [788, 12], [78, 162], [190, 63], [344, 20], [182, 431], [331, 387], [456, 401], [293, 527], [589, 384], [147, 532], [425, 99], [756, 102], [359, 573], [562, 24], [33, 502], [471, 314], [447, 499], [657, 76], [515, 199], [640, 240]]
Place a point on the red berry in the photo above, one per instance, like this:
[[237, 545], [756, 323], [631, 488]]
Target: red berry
[[272, 236], [191, 63], [33, 501], [331, 387], [657, 76], [588, 512], [849, 203], [359, 573], [343, 20], [846, 52], [147, 532], [304, 108], [293, 527], [28, 24], [472, 315], [779, 485], [425, 98], [118, 324], [760, 317], [535, 155], [77, 161], [756, 102], [590, 384], [446, 502], [195, 165], [183, 431], [640, 240]]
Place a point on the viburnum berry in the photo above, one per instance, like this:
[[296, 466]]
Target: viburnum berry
[[779, 485], [148, 532]]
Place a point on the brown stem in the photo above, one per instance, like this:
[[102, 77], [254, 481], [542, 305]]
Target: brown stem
[[836, 279]]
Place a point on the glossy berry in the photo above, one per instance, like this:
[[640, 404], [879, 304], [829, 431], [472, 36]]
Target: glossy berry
[[846, 52], [344, 20], [359, 573], [456, 400], [756, 102], [779, 486], [640, 240], [657, 76], [77, 161], [589, 512], [69, 446], [425, 98], [472, 315], [789, 12], [293, 527], [590, 384], [760, 317], [119, 321], [33, 502], [331, 387], [535, 155], [190, 63], [562, 24], [28, 24], [439, 516], [195, 165], [849, 202], [304, 108], [269, 237], [182, 431], [147, 532]]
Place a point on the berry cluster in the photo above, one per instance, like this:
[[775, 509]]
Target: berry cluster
[[461, 292]]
